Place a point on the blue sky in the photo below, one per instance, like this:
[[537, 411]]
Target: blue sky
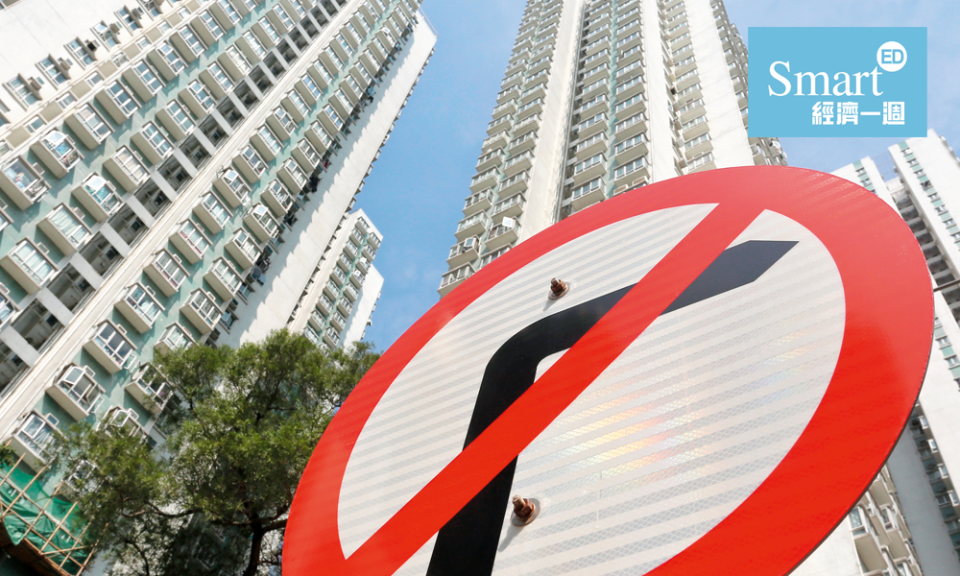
[[417, 187]]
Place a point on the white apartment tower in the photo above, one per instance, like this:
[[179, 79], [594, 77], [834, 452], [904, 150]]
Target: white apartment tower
[[599, 98], [175, 171], [924, 187]]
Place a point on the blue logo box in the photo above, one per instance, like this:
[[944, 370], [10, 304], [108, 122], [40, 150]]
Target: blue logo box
[[838, 82]]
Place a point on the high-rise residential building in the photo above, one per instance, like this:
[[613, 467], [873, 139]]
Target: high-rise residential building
[[175, 171], [922, 182], [598, 98]]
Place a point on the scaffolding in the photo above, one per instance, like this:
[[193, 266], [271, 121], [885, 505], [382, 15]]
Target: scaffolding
[[42, 530]]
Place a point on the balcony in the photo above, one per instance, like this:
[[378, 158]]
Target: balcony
[[490, 160], [98, 197], [191, 241], [453, 279], [317, 319], [500, 124], [518, 163], [167, 272], [65, 228], [233, 189], [202, 311], [338, 277], [120, 421], [118, 102], [89, 126], [351, 293], [478, 202], [292, 175], [474, 225], [250, 164], [528, 124], [58, 153], [587, 194], [77, 391], [266, 143], [331, 337], [357, 278], [111, 348], [128, 170], [140, 307], [224, 279], [262, 223], [29, 265], [277, 197], [514, 184], [631, 126], [512, 207], [502, 234], [32, 439], [464, 252], [484, 180], [244, 249], [306, 155], [319, 136], [173, 338], [212, 213]]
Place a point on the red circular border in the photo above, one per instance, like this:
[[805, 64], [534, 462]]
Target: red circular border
[[883, 357]]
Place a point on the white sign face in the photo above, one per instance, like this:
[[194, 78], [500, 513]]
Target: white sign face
[[672, 437]]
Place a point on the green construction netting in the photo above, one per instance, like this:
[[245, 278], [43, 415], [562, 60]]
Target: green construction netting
[[51, 524]]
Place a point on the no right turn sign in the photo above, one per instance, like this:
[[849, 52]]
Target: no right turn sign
[[729, 344]]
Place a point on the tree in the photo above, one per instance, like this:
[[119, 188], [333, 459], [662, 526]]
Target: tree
[[213, 498]]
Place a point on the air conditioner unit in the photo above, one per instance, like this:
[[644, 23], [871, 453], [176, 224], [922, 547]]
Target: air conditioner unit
[[91, 46], [114, 27], [34, 83], [137, 13], [63, 64]]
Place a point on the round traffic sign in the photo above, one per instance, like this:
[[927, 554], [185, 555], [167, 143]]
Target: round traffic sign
[[727, 344]]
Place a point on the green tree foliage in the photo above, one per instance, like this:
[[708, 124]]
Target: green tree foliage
[[213, 498]]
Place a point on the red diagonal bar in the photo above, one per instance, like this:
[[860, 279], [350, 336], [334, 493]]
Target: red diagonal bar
[[423, 516]]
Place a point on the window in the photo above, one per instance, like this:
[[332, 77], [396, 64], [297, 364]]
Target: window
[[105, 35], [180, 116], [171, 57], [194, 237], [79, 53], [122, 98], [269, 139], [147, 76], [269, 30], [283, 17], [212, 25], [66, 100], [158, 141], [130, 164], [203, 96], [170, 269], [630, 167], [111, 341], [196, 46], [34, 124], [229, 11], [127, 18], [52, 71], [952, 360], [255, 44], [143, 43], [93, 122], [102, 193], [238, 59], [22, 92], [69, 225], [311, 86], [94, 79], [215, 208], [285, 120], [253, 159], [33, 262], [220, 77], [143, 303]]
